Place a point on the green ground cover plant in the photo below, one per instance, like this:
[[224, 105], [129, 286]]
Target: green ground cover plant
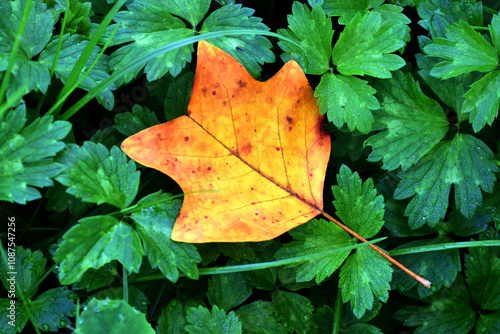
[[411, 92]]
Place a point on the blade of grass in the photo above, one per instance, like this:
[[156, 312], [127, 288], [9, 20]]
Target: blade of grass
[[69, 85], [160, 51], [445, 246], [13, 53], [261, 265]]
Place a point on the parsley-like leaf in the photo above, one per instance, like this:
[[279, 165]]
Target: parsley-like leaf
[[249, 50], [313, 31], [482, 100], [415, 123], [314, 237], [178, 96], [97, 175], [482, 269], [366, 44], [172, 318], [464, 49], [202, 321], [348, 9], [149, 25], [29, 266], [57, 315], [465, 161], [357, 203], [94, 242], [438, 14], [450, 312], [347, 99], [364, 275], [139, 119], [258, 317], [228, 291], [154, 225], [191, 11], [441, 268], [26, 153], [293, 310], [112, 317]]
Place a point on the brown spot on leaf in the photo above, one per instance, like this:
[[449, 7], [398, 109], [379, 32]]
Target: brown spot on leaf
[[241, 83], [278, 149], [214, 92], [289, 119], [186, 138], [224, 103], [209, 168], [246, 149]]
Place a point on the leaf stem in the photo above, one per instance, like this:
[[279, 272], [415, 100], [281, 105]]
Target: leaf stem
[[338, 313], [421, 280]]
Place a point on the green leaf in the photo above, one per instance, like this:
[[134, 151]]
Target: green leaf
[[12, 323], [191, 11], [202, 321], [94, 279], [149, 25], [37, 32], [228, 291], [178, 96], [94, 242], [347, 99], [112, 317], [249, 50], [314, 237], [53, 308], [172, 320], [97, 175], [313, 31], [154, 225], [26, 153], [414, 123], [28, 267], [357, 203], [449, 91], [488, 323], [258, 317], [483, 100], [365, 275], [293, 310], [71, 49], [482, 269], [139, 119], [136, 298], [349, 143], [348, 9], [494, 29], [464, 49], [441, 268], [465, 161], [366, 44], [449, 312], [78, 19], [438, 14]]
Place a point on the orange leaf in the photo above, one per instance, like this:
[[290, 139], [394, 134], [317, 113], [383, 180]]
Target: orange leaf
[[250, 156]]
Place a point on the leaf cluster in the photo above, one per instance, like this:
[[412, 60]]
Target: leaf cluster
[[413, 116]]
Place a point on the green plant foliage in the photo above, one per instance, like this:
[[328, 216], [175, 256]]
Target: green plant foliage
[[202, 321], [27, 154], [411, 94], [316, 39], [154, 225], [29, 268], [116, 181], [414, 123], [94, 242], [112, 317]]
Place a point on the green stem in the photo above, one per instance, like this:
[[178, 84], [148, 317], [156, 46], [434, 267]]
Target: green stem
[[444, 246], [262, 265], [490, 10], [125, 285], [15, 49], [338, 313], [480, 28]]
